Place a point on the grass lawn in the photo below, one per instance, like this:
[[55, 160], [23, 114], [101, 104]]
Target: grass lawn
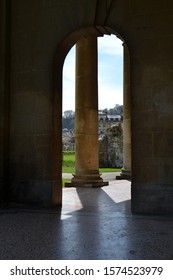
[[67, 169], [69, 164], [64, 180], [104, 170], [68, 160], [71, 169]]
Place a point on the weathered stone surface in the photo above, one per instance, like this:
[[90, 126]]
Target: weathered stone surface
[[111, 147]]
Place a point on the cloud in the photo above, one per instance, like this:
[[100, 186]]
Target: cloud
[[109, 96], [69, 81], [69, 66], [110, 70], [110, 45]]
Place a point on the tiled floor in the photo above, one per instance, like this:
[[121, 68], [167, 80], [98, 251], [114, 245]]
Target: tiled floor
[[92, 224]]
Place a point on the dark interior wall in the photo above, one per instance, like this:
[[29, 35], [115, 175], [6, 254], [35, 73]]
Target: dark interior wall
[[2, 89], [152, 108], [4, 97]]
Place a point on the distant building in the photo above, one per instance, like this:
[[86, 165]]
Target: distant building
[[106, 120], [108, 117]]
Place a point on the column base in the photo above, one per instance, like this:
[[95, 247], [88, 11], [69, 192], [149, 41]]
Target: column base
[[87, 179], [125, 174]]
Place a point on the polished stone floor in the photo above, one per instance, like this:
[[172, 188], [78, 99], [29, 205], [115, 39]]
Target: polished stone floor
[[92, 224]]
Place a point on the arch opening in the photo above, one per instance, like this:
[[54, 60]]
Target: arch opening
[[67, 44]]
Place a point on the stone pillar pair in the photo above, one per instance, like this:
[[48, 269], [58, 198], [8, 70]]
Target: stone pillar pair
[[86, 116]]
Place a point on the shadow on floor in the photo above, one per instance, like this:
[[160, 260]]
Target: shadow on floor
[[92, 224]]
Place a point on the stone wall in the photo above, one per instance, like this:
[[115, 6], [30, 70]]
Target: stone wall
[[111, 147]]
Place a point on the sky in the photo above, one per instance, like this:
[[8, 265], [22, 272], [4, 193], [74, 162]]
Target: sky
[[110, 74]]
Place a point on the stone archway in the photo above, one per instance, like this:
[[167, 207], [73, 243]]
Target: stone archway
[[60, 56]]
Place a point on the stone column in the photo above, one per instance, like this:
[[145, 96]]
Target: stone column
[[126, 170], [86, 116]]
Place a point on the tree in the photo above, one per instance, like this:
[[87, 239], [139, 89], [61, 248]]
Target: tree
[[69, 114], [119, 109], [68, 119]]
